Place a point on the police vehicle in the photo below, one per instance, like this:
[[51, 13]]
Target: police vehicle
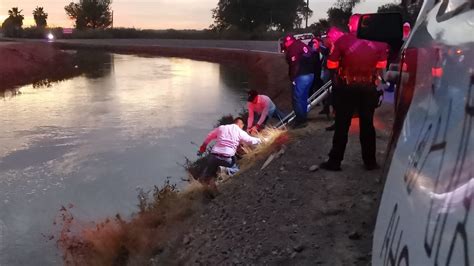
[[426, 214]]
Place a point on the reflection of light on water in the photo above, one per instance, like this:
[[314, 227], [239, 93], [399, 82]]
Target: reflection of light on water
[[92, 139]]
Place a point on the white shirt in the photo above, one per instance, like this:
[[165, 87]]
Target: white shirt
[[228, 138]]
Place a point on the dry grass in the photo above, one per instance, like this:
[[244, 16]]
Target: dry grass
[[164, 214], [273, 140], [115, 241]]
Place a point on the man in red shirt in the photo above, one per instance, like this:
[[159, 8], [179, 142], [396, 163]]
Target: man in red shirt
[[358, 65], [260, 106]]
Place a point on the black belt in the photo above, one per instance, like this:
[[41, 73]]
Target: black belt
[[221, 155]]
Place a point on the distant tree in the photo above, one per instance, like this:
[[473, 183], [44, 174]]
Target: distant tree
[[250, 15], [346, 5], [339, 17], [12, 24], [320, 27], [409, 12], [92, 14], [40, 17]]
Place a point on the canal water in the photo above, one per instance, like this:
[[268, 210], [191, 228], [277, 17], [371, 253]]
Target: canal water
[[92, 141]]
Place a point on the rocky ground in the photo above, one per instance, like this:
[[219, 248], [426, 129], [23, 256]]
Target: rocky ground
[[291, 212]]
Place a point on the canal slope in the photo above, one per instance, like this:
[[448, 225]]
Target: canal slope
[[26, 63]]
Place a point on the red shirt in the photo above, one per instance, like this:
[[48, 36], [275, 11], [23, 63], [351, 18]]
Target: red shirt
[[357, 57]]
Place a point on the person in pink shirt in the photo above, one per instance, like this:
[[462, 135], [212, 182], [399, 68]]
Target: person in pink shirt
[[264, 107], [227, 140]]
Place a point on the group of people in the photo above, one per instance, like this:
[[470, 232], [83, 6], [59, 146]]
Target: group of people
[[222, 157], [355, 67]]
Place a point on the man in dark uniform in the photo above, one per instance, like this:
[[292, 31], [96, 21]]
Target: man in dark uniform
[[358, 65], [301, 72], [314, 46]]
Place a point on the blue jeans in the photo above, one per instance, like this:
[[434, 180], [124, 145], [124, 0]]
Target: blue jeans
[[273, 112], [276, 113], [301, 89]]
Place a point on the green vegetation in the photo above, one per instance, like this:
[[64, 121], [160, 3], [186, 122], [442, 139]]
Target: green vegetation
[[250, 15], [90, 14], [409, 12], [13, 23], [40, 17], [233, 20]]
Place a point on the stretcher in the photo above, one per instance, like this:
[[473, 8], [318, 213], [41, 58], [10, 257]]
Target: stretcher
[[317, 97]]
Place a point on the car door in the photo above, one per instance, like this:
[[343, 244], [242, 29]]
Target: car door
[[426, 211]]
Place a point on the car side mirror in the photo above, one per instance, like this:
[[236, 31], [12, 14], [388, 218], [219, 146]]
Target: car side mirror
[[381, 27]]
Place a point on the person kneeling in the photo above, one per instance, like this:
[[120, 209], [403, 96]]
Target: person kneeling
[[260, 106], [227, 138]]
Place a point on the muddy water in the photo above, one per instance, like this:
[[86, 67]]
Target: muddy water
[[94, 139]]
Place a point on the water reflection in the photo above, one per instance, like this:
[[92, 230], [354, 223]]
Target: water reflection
[[94, 64], [92, 140]]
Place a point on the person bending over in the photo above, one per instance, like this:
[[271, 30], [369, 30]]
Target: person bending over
[[227, 139], [263, 108]]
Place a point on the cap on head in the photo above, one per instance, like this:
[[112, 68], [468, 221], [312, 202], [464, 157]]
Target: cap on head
[[289, 39], [252, 94]]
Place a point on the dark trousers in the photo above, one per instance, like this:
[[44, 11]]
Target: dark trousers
[[346, 100], [213, 162]]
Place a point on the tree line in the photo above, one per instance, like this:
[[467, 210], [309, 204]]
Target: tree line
[[86, 14], [249, 16]]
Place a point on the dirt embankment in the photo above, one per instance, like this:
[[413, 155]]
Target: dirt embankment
[[289, 214], [26, 63]]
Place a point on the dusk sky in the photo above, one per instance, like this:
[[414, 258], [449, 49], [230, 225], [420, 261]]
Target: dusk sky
[[157, 14]]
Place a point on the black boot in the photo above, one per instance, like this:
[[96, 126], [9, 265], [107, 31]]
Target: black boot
[[371, 166], [331, 166]]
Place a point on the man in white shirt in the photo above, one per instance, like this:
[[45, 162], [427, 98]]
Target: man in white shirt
[[264, 107], [227, 138]]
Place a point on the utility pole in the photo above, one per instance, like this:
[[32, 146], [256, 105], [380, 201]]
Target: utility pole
[[307, 12]]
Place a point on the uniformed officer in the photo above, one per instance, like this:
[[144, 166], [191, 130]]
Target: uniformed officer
[[301, 72], [358, 65]]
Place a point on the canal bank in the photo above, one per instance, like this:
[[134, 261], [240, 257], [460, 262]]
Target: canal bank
[[287, 214], [26, 63]]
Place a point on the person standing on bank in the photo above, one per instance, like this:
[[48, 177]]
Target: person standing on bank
[[358, 65], [301, 72], [315, 46], [261, 107], [228, 138]]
